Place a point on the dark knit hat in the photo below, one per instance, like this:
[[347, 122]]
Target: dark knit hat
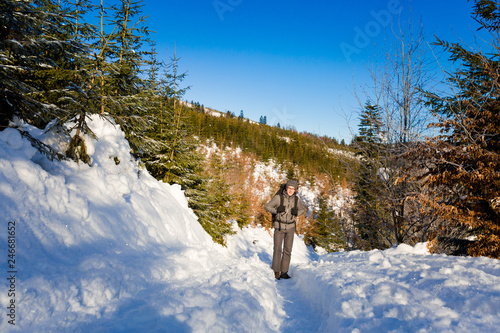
[[292, 183]]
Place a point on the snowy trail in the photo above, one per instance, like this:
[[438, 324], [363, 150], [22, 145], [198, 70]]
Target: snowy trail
[[301, 315]]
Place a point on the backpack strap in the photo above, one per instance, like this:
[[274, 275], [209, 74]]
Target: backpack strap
[[281, 199], [281, 205]]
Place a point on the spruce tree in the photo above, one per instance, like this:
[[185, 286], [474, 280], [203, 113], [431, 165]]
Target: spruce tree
[[38, 52], [463, 162], [325, 230], [385, 212], [171, 154], [82, 97], [370, 124], [124, 77], [214, 205], [367, 213], [45, 72]]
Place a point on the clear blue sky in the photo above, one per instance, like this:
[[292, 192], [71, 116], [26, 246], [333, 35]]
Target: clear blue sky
[[295, 62]]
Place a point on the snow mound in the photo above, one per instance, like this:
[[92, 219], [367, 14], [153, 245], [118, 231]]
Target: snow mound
[[108, 248]]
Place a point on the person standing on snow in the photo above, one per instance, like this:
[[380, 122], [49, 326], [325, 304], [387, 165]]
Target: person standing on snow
[[285, 206]]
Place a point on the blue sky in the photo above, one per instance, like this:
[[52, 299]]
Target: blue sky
[[294, 62]]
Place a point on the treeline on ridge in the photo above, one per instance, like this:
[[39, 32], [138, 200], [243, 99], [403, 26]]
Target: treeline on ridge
[[310, 152]]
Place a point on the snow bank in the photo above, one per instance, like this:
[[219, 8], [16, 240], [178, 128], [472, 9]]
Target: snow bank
[[108, 248], [403, 289]]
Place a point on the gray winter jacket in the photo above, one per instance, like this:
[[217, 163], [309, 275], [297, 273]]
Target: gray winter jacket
[[286, 218]]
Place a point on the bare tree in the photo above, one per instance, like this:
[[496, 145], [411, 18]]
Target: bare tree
[[384, 212]]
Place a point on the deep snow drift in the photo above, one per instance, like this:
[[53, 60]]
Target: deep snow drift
[[108, 248]]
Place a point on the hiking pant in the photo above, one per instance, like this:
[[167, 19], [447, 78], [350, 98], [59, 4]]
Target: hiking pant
[[283, 242]]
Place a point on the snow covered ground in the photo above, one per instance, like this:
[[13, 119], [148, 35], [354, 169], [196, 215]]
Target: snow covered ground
[[108, 248]]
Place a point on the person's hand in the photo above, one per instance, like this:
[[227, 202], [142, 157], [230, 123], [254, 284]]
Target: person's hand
[[280, 209], [295, 211]]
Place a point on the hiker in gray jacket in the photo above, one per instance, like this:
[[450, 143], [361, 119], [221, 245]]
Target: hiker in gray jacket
[[285, 206]]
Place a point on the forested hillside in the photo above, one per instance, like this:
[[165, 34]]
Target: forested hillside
[[311, 152], [58, 68], [237, 149]]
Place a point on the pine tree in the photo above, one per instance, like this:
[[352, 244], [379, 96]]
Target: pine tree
[[368, 215], [383, 213], [214, 205], [370, 124], [174, 95], [102, 46], [82, 96], [156, 141], [463, 162], [124, 73], [45, 76], [171, 154], [31, 49], [325, 230]]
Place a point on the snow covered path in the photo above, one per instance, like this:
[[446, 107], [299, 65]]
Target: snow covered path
[[301, 314], [108, 248], [403, 289]]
